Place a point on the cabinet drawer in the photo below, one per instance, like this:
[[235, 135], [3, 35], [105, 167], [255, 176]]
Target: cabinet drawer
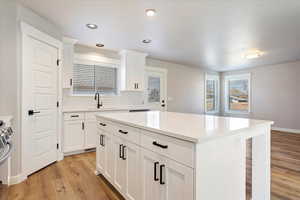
[[106, 126], [179, 150], [73, 116], [128, 133]]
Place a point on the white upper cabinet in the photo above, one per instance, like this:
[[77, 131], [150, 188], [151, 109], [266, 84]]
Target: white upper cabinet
[[68, 57], [132, 70]]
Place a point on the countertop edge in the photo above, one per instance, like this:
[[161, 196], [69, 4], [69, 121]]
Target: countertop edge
[[181, 137]]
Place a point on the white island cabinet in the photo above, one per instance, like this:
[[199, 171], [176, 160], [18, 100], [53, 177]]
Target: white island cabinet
[[174, 156]]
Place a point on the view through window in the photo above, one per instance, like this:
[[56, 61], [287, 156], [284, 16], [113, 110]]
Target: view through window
[[238, 93], [212, 93]]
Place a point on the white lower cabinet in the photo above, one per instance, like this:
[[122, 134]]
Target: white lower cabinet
[[73, 135], [80, 132], [141, 174]]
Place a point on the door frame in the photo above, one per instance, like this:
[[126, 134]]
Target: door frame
[[165, 74], [27, 31]]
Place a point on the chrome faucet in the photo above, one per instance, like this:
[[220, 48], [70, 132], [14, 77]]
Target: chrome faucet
[[97, 98]]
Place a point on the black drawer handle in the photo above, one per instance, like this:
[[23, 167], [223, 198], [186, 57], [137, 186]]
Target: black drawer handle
[[160, 145], [120, 150], [162, 182], [155, 172], [123, 151], [124, 132], [74, 116], [102, 124]]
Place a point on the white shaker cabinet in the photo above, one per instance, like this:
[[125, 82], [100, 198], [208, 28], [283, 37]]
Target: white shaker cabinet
[[73, 135], [132, 70], [68, 57]]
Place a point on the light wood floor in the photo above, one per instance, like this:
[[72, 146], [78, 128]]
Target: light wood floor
[[74, 178]]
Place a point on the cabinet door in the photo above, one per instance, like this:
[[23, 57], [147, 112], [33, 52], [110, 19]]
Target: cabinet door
[[108, 141], [90, 134], [120, 164], [176, 181], [132, 173], [73, 135], [100, 159], [150, 175]]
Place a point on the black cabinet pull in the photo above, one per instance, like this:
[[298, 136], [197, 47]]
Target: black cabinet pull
[[137, 86], [102, 124], [155, 172], [82, 125], [73, 116], [120, 150], [124, 132], [161, 175], [102, 140], [123, 151], [160, 145]]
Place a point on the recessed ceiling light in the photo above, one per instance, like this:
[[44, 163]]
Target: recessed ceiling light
[[147, 41], [251, 54], [92, 26], [99, 45], [150, 12]]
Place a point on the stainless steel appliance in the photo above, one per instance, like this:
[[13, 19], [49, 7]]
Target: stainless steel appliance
[[5, 141]]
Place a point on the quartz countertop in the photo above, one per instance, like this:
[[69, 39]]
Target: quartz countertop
[[103, 109], [190, 127]]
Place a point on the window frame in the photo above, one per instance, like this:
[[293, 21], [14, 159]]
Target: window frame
[[227, 78], [86, 61], [213, 77]]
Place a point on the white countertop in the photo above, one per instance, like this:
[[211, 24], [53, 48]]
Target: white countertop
[[191, 127], [103, 109]]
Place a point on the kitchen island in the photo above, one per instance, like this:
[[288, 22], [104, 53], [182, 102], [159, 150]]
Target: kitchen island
[[175, 156]]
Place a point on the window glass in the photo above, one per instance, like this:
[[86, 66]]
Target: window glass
[[83, 79], [153, 89], [238, 95], [211, 95]]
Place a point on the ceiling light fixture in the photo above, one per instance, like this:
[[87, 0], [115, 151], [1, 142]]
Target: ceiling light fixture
[[92, 26], [147, 41], [99, 45], [252, 54], [150, 12]]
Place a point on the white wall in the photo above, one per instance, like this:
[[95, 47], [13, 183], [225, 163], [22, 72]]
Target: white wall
[[9, 70], [11, 14], [275, 93]]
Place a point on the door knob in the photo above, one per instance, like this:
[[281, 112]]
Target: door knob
[[32, 112]]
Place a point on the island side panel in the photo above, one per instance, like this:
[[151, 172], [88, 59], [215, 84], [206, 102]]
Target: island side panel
[[221, 170], [261, 165]]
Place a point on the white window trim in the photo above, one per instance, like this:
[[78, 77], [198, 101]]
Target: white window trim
[[226, 92], [214, 77]]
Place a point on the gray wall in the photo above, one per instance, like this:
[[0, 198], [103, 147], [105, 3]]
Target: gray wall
[[185, 84], [275, 94]]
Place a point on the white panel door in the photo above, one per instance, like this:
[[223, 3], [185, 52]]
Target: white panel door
[[73, 135], [150, 175], [120, 164], [133, 178], [176, 181], [100, 159], [39, 97], [90, 134], [155, 93], [109, 168]]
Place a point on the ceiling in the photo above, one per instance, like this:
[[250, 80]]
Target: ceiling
[[213, 34]]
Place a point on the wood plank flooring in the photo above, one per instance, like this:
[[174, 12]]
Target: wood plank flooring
[[74, 178]]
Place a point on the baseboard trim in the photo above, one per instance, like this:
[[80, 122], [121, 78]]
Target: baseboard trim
[[296, 131], [16, 179], [79, 152]]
